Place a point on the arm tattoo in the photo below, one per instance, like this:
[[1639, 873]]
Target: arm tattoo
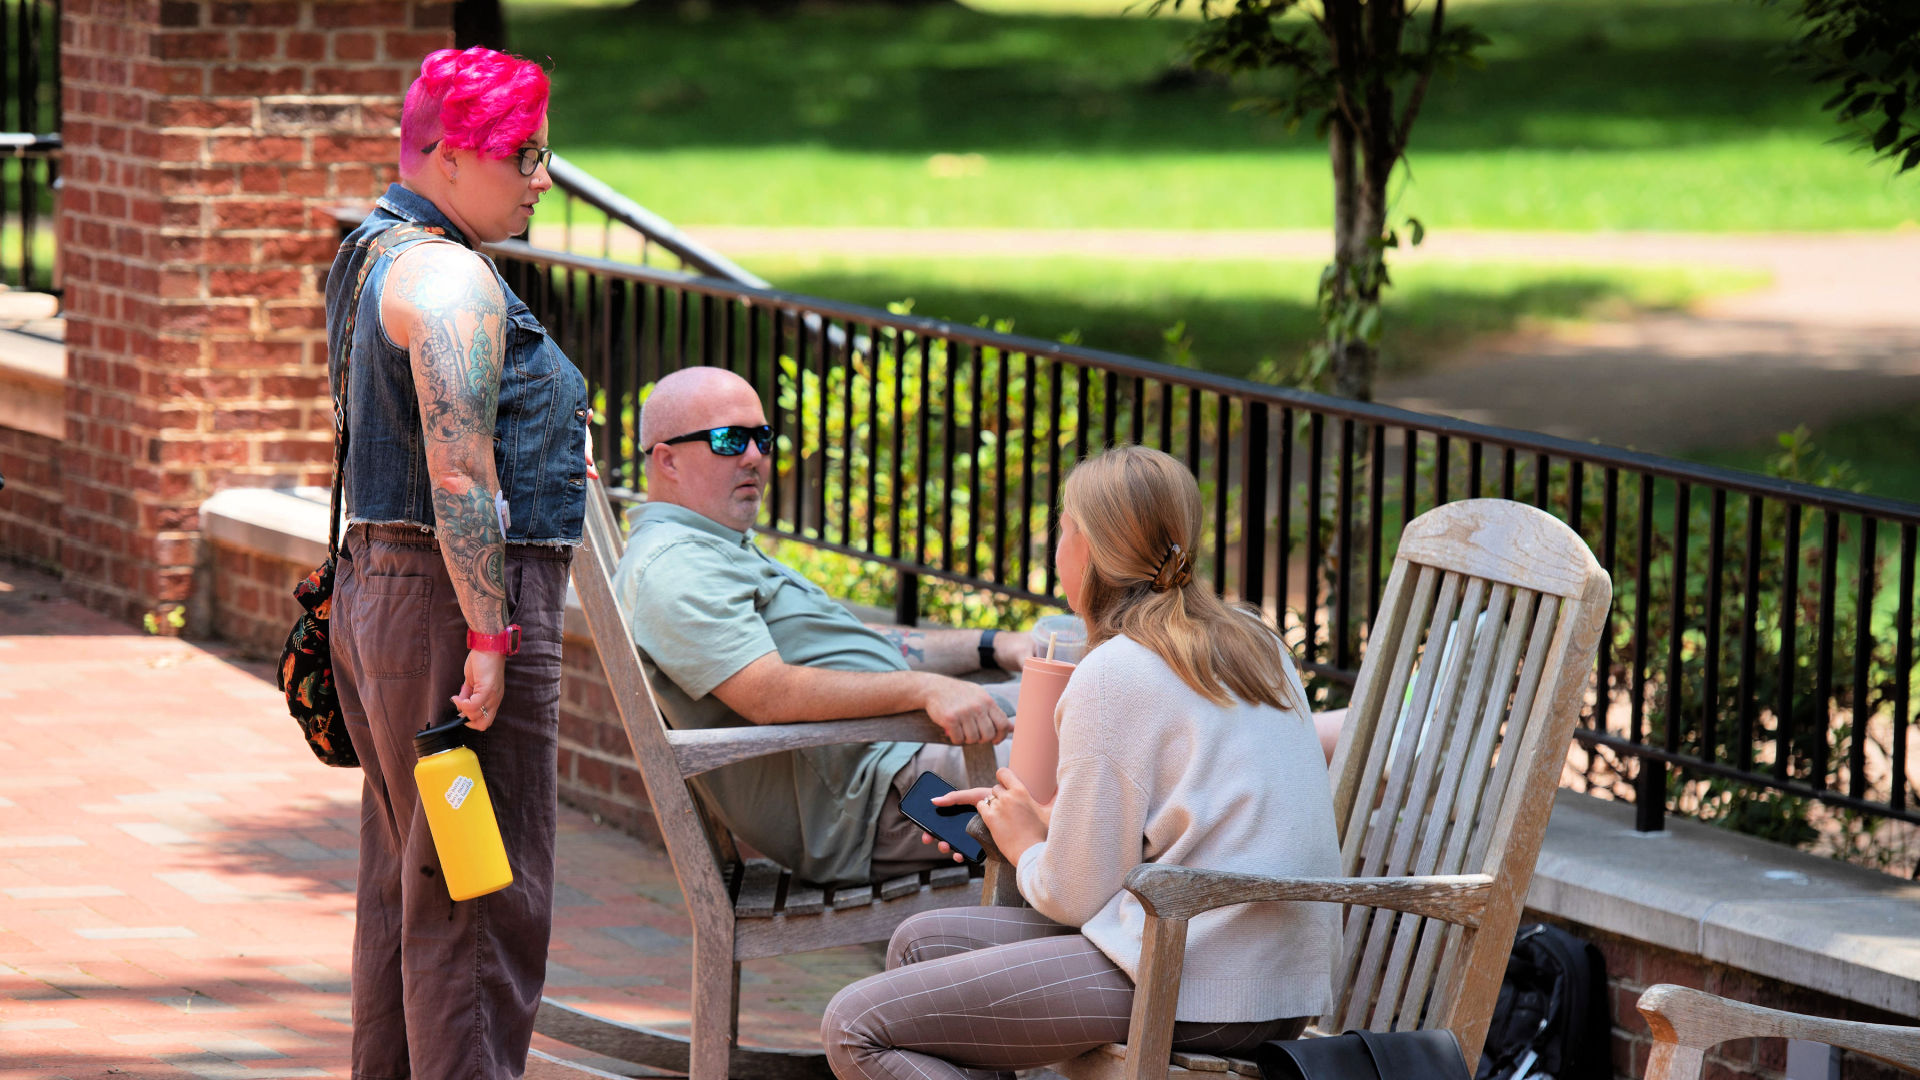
[[457, 344], [470, 539], [458, 349], [911, 643]]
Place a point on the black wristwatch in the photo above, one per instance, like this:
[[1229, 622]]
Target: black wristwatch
[[987, 662]]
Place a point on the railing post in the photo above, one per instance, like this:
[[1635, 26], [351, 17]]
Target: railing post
[[1650, 796], [906, 598]]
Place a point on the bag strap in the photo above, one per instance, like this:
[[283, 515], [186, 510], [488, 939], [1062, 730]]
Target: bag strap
[[377, 249]]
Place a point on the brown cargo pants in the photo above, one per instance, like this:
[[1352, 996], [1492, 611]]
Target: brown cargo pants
[[444, 989]]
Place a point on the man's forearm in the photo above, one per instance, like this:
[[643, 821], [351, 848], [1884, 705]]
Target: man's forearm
[[769, 691], [944, 652]]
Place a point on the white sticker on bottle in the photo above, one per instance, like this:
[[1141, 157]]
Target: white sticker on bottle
[[457, 791]]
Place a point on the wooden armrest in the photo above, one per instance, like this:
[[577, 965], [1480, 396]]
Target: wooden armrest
[[1692, 1022], [977, 828], [706, 749], [1181, 892], [998, 889]]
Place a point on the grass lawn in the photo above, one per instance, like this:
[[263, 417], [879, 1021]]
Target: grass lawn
[[1239, 313], [1878, 446], [1589, 114]]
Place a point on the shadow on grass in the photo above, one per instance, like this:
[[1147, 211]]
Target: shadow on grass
[[1568, 74], [1241, 335]]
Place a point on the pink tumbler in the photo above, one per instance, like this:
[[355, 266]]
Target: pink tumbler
[[1036, 743]]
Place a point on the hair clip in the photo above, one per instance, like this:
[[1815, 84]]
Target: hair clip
[[1173, 571]]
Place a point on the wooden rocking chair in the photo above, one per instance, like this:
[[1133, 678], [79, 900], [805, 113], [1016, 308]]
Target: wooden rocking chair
[[741, 909], [1492, 616], [1688, 1023]]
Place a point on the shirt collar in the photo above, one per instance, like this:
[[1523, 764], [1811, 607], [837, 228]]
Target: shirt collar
[[417, 208], [680, 515]]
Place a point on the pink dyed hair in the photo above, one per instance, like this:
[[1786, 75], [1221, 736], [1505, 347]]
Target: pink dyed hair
[[476, 99]]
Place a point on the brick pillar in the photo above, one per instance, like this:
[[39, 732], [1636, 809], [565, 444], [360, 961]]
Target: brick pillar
[[207, 142]]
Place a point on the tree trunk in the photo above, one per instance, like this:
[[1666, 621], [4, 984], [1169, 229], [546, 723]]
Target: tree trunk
[[1354, 376], [1359, 210]]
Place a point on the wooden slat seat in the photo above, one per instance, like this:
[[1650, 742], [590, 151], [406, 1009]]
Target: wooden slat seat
[[742, 909], [763, 889]]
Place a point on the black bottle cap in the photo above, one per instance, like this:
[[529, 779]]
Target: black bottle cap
[[441, 737]]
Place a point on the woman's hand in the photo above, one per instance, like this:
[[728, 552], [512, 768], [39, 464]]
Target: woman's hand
[[479, 696], [1016, 821], [593, 471]]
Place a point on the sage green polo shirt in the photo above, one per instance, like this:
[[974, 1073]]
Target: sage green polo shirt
[[702, 602]]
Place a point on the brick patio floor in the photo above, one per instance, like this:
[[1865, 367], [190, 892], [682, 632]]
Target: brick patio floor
[[176, 874]]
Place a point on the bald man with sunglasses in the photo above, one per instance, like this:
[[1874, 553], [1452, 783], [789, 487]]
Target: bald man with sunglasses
[[732, 636]]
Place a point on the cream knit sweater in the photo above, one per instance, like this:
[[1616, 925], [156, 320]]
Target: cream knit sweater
[[1150, 771]]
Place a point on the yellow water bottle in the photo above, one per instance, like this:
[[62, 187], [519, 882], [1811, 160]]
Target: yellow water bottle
[[473, 861]]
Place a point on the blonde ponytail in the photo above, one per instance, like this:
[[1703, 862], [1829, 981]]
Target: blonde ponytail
[[1140, 511]]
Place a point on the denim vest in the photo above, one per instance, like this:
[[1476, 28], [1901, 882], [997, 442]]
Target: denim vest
[[539, 435]]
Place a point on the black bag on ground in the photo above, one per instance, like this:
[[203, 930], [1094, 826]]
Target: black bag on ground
[[1364, 1055], [1552, 1021]]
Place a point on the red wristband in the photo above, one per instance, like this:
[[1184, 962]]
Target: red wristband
[[506, 642]]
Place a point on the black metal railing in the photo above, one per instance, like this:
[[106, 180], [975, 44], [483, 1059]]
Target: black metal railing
[[29, 142], [1760, 640], [599, 221]]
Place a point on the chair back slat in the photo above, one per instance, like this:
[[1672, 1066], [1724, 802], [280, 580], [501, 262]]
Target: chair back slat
[[1436, 814], [1361, 758], [1471, 678], [1464, 812], [682, 826], [1418, 737]]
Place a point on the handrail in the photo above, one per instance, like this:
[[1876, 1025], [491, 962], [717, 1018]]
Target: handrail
[[582, 185], [1741, 637], [26, 142], [1810, 495]]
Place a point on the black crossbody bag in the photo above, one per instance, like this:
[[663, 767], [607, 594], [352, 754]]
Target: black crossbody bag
[[306, 664]]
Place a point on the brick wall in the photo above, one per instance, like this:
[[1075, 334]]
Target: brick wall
[[597, 773], [253, 604], [206, 143], [1632, 966], [30, 503]]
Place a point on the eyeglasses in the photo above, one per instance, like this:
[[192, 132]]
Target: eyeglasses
[[729, 441], [529, 158], [532, 157]]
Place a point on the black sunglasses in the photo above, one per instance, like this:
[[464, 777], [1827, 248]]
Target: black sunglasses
[[729, 441]]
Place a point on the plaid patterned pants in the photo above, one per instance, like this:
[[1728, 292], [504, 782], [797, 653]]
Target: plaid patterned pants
[[974, 993]]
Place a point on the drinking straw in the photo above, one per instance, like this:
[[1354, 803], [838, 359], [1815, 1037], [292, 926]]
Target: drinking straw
[[1053, 639]]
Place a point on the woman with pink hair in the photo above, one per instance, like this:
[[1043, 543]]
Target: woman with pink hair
[[462, 434]]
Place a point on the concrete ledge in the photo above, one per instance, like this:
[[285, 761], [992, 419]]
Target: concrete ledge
[[284, 523], [1734, 900], [33, 384]]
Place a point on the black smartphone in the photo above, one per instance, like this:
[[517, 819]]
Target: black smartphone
[[947, 823]]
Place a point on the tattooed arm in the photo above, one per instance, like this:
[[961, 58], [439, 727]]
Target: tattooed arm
[[444, 307], [953, 652]]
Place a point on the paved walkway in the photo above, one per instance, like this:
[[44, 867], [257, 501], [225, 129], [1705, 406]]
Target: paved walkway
[[176, 874]]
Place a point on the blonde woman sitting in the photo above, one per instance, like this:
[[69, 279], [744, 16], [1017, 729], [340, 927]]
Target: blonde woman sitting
[[1184, 739]]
